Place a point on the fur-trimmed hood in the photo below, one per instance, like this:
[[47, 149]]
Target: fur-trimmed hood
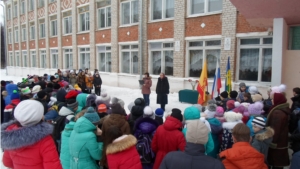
[[265, 134], [120, 144], [23, 136]]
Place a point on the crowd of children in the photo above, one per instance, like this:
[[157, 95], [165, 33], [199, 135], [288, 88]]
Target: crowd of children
[[58, 122]]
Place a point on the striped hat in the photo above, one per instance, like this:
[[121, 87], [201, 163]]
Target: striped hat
[[259, 122]]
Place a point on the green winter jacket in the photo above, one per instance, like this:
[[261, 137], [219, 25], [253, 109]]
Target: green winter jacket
[[84, 148], [81, 99], [192, 113], [64, 149]]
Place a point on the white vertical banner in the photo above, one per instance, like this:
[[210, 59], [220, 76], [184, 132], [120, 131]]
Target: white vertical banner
[[177, 46], [227, 43]]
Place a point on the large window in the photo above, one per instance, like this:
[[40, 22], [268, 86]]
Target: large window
[[25, 59], [42, 29], [129, 12], [33, 58], [104, 15], [53, 25], [84, 19], [255, 59], [129, 59], [294, 39], [162, 9], [67, 22], [84, 56], [68, 58], [41, 3], [104, 58], [197, 7], [15, 10], [32, 32], [51, 1], [211, 49], [43, 61], [11, 59], [17, 58], [16, 35], [9, 37], [54, 58], [23, 7], [24, 34], [161, 59], [31, 5], [8, 13]]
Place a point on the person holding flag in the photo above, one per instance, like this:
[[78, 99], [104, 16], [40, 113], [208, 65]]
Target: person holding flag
[[201, 88]]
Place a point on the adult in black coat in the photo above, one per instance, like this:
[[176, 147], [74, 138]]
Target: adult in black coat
[[162, 90], [97, 83]]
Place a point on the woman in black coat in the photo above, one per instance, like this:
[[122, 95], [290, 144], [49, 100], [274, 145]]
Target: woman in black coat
[[162, 90], [97, 83]]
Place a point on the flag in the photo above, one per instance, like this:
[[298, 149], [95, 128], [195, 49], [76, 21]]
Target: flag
[[228, 86], [217, 85], [202, 84]]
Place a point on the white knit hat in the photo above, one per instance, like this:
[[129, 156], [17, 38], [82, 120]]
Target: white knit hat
[[237, 104], [232, 116], [253, 90], [29, 112], [148, 112], [196, 132], [36, 89]]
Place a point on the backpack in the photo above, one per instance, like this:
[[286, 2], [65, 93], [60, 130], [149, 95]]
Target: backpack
[[56, 106], [143, 147], [59, 125]]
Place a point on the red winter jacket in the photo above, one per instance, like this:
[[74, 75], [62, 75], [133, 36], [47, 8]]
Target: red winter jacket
[[167, 138], [29, 147], [122, 154]]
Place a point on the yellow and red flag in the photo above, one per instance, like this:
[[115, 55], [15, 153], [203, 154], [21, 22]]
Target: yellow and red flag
[[202, 84]]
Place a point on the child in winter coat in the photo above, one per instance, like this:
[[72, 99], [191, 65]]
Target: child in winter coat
[[254, 110], [242, 88], [168, 137], [216, 128], [232, 119], [159, 113], [247, 98], [220, 114], [230, 105], [121, 152], [8, 110], [89, 82], [97, 84], [263, 136]]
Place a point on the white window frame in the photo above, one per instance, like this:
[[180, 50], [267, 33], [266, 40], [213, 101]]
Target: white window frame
[[162, 50], [9, 13], [25, 58], [32, 32], [163, 13], [189, 10], [9, 37], [17, 59], [106, 50], [54, 58], [43, 57], [87, 20], [204, 48], [130, 50], [23, 7], [15, 10], [16, 34], [11, 59], [130, 13], [84, 52], [259, 46], [31, 5], [53, 33], [24, 34], [69, 20], [33, 58], [68, 53], [106, 21], [42, 31]]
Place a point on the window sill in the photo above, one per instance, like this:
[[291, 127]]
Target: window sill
[[53, 36], [161, 20], [204, 14], [128, 74], [83, 32], [128, 25], [67, 34], [101, 29], [42, 38]]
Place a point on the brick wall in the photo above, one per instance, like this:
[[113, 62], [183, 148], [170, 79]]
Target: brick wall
[[133, 33], [10, 47], [67, 40], [53, 42], [107, 36], [32, 44], [42, 43], [243, 26], [16, 45], [83, 39], [167, 30], [213, 25], [23, 46]]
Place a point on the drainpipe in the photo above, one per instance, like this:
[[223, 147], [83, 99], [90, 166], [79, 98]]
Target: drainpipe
[[141, 38], [4, 31]]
